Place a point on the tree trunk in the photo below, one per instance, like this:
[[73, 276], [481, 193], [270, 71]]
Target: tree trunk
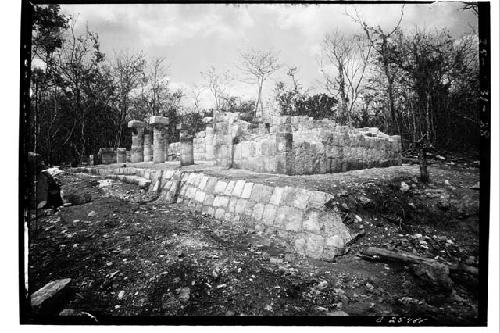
[[422, 158], [427, 116], [343, 96], [259, 96]]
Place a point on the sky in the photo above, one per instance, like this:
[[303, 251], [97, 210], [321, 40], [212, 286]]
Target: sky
[[193, 37]]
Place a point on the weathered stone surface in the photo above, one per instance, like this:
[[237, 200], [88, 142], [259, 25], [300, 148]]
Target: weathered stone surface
[[311, 221], [261, 193], [335, 241], [249, 208], [258, 210], [247, 190], [191, 192], [256, 190], [317, 199], [269, 214], [199, 196], [136, 124], [300, 245], [220, 187], [314, 245], [238, 188], [301, 198], [232, 205], [48, 294], [219, 213], [240, 206], [289, 218], [229, 188], [203, 182], [278, 196], [212, 181], [211, 211], [221, 201], [209, 200]]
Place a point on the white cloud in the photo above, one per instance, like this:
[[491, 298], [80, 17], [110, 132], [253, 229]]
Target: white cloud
[[194, 37]]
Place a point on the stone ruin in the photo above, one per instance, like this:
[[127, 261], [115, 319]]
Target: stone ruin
[[283, 145], [291, 145]]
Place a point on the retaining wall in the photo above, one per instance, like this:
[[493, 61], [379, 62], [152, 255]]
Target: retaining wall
[[296, 215]]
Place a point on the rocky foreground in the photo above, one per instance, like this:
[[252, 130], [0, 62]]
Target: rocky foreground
[[127, 255]]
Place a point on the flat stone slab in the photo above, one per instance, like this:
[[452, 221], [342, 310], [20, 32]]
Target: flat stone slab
[[136, 124], [48, 293], [158, 120]]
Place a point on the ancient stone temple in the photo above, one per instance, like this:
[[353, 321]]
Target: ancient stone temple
[[291, 145], [294, 145], [281, 145]]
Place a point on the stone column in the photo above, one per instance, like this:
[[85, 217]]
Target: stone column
[[148, 150], [137, 150], [284, 140], [186, 154], [121, 155], [158, 123]]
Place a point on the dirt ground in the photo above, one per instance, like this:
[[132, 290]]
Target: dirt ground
[[128, 255]]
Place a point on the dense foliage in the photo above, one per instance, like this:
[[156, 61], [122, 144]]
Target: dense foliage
[[418, 85]]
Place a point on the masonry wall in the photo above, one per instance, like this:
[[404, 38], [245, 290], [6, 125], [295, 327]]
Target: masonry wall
[[263, 153], [298, 216], [107, 155], [319, 148]]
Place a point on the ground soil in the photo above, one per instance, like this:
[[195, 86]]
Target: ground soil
[[128, 255]]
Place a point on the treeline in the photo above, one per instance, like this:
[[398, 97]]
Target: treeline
[[422, 85], [81, 100]]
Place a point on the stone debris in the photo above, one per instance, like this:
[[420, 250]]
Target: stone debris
[[48, 294], [310, 229], [337, 313], [184, 294], [404, 187], [476, 186]]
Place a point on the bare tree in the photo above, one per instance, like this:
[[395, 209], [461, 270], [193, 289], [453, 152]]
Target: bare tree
[[383, 44], [195, 93], [128, 70], [349, 56], [258, 66], [78, 65], [217, 83], [158, 82]]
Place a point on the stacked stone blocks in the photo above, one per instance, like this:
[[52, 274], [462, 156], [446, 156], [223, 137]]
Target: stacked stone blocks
[[297, 215]]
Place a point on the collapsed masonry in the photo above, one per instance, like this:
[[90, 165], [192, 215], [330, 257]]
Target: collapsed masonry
[[283, 145], [297, 216], [288, 145]]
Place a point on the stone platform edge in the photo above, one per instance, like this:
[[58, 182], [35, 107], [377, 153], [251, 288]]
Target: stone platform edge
[[296, 215]]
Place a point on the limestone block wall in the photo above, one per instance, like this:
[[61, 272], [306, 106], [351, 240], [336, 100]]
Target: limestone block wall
[[326, 151], [318, 150], [199, 146], [262, 153], [107, 155], [296, 215]]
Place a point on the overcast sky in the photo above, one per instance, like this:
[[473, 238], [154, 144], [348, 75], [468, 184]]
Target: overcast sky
[[193, 37]]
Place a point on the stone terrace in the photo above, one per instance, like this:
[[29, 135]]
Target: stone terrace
[[292, 207]]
